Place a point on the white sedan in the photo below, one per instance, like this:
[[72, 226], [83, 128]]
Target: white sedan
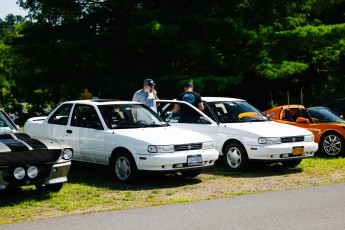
[[241, 132], [127, 136]]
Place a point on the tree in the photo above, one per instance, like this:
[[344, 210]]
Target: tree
[[228, 48]]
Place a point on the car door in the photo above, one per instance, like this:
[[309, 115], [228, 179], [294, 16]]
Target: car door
[[199, 121], [86, 134], [300, 118]]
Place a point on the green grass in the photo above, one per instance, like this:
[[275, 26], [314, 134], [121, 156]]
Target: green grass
[[92, 190]]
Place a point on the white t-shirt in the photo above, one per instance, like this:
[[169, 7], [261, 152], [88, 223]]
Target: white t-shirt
[[144, 97]]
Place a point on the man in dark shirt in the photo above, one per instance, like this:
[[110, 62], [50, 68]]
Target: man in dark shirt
[[191, 97]]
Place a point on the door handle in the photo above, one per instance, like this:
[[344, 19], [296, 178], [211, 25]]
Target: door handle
[[69, 131]]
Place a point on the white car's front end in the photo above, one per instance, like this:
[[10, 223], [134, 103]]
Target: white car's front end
[[167, 148], [269, 140]]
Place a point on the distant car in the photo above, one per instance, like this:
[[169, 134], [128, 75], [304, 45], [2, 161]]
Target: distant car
[[241, 132], [337, 106], [127, 136], [328, 128], [28, 161]]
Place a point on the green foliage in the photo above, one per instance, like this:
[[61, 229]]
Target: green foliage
[[226, 47]]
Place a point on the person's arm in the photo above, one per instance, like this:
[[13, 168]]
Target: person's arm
[[135, 97], [176, 108], [201, 106], [154, 92]]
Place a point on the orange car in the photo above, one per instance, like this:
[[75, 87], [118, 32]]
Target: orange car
[[327, 127]]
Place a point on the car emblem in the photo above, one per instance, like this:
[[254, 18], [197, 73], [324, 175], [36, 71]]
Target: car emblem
[[189, 147], [293, 139]]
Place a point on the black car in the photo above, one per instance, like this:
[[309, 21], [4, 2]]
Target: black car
[[337, 106], [28, 161]]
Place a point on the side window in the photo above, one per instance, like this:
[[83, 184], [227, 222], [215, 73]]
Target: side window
[[85, 116], [188, 114], [60, 116], [208, 112], [223, 114]]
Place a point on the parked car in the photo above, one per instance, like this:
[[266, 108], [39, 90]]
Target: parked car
[[241, 132], [337, 106], [127, 136], [327, 126], [28, 161]]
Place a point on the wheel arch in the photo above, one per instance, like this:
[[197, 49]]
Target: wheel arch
[[118, 150], [227, 142], [332, 131]]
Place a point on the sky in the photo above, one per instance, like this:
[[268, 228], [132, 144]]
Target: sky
[[10, 7]]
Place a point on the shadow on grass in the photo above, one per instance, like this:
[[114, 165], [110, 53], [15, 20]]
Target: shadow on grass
[[253, 170], [101, 177], [17, 195]]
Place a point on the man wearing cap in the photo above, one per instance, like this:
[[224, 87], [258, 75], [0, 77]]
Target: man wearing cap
[[191, 97], [147, 94]]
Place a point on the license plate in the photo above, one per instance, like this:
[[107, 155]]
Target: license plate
[[194, 160], [297, 150]]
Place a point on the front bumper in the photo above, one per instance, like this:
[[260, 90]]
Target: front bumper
[[48, 174], [177, 161], [283, 151]]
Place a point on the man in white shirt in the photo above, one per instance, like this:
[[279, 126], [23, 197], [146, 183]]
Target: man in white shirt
[[147, 94]]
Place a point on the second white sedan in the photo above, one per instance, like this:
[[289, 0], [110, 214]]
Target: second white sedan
[[127, 136], [241, 132]]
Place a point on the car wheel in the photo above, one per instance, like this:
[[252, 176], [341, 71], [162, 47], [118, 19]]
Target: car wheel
[[49, 187], [123, 167], [235, 156], [191, 173], [291, 163], [331, 144]]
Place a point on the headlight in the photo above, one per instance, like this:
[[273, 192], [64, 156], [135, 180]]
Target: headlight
[[67, 154], [208, 145], [269, 140], [32, 172], [160, 148], [19, 173], [309, 138]]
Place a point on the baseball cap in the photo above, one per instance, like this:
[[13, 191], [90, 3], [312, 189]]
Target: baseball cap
[[189, 85], [149, 82]]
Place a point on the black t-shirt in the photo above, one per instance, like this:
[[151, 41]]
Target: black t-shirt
[[190, 97]]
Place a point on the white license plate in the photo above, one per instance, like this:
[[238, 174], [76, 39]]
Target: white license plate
[[194, 160]]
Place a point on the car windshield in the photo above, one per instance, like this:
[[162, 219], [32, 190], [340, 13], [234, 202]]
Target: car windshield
[[5, 122], [324, 115], [124, 116], [237, 111]]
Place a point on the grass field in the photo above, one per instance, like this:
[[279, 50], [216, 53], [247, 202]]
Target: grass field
[[92, 190]]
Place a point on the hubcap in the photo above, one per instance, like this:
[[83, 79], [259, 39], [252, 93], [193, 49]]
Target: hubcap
[[234, 157], [332, 145], [122, 168]]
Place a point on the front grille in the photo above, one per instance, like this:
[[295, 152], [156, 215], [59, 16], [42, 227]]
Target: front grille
[[186, 147], [29, 157], [292, 139]]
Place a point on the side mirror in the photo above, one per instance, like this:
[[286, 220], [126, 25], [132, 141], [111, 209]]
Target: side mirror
[[302, 120]]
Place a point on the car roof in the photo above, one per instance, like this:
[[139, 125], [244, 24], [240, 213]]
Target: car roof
[[217, 99], [102, 102]]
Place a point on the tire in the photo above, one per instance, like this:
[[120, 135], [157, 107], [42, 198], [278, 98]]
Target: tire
[[123, 167], [331, 144], [291, 163], [191, 173], [235, 156], [49, 187]]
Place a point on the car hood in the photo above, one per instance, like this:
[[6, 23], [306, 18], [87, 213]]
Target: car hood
[[267, 129], [162, 135]]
